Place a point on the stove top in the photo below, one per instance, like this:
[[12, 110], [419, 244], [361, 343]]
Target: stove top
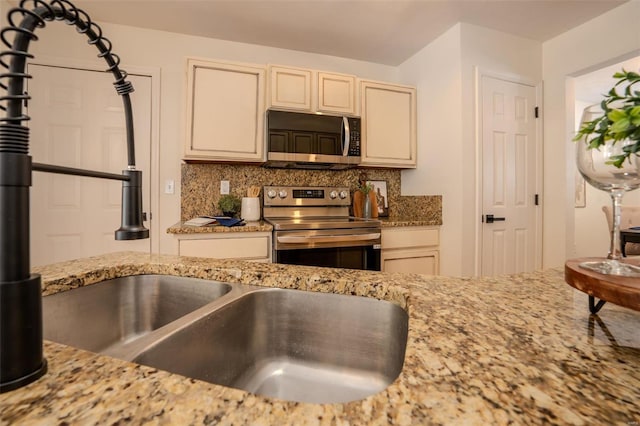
[[312, 208]]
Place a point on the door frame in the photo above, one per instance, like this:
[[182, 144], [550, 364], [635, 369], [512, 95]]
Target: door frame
[[479, 73], [143, 71]]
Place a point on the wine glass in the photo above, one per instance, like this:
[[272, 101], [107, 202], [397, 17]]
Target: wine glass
[[594, 165]]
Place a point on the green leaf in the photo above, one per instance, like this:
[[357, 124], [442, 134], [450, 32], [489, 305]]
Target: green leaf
[[616, 115], [620, 125]]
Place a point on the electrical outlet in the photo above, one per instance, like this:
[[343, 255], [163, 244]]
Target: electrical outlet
[[224, 187], [169, 186]]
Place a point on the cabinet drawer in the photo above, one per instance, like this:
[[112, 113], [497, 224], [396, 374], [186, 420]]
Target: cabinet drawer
[[227, 248], [414, 261], [407, 237]]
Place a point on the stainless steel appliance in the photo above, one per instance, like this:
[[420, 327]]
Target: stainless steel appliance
[[312, 141], [312, 226]]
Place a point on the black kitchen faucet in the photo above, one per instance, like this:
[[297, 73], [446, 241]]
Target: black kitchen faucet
[[21, 354]]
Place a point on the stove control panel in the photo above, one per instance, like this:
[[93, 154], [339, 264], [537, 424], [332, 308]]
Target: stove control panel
[[301, 196]]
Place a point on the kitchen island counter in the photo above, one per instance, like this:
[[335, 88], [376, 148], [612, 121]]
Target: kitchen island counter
[[520, 349]]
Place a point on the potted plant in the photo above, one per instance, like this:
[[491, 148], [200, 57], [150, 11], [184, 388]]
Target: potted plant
[[366, 188], [229, 205], [619, 120]]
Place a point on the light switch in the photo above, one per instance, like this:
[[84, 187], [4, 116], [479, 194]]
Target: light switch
[[169, 186], [224, 187]]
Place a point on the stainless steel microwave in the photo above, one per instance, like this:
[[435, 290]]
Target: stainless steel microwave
[[312, 141]]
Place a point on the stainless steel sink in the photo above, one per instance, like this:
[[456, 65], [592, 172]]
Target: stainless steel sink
[[108, 316], [289, 344], [293, 345]]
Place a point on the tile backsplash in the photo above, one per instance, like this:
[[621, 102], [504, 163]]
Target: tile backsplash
[[201, 186]]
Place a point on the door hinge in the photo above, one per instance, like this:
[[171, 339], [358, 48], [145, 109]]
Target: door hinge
[[536, 112], [535, 199]]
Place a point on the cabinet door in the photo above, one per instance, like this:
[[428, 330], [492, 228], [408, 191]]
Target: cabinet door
[[336, 93], [388, 125], [290, 88], [225, 111]]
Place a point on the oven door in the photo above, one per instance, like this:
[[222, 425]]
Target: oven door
[[333, 248]]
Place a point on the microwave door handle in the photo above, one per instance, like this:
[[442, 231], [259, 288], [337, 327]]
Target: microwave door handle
[[346, 136]]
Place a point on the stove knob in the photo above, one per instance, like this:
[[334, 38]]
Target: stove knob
[[333, 195], [271, 193], [282, 193], [343, 194]]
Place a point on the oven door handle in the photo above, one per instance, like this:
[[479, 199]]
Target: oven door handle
[[327, 238]]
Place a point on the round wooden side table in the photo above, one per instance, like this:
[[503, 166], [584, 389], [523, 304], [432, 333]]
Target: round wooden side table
[[622, 291]]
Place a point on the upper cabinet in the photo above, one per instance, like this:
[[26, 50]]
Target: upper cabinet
[[336, 93], [225, 111], [290, 88], [308, 90], [226, 104], [389, 132]]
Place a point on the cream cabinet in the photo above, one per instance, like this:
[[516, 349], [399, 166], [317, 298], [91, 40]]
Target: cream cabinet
[[336, 93], [253, 246], [307, 90], [389, 128], [225, 111], [290, 88], [411, 249]]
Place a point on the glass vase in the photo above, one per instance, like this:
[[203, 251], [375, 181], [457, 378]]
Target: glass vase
[[366, 208], [594, 165]]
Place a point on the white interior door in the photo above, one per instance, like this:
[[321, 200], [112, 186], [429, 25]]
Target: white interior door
[[509, 244], [77, 120]]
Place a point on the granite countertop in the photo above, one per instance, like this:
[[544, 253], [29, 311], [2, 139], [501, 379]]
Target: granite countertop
[[262, 226], [181, 228], [398, 221], [520, 349]]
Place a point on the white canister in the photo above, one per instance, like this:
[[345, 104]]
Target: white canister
[[250, 209]]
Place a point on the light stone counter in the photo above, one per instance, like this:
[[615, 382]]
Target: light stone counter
[[400, 221], [262, 226], [508, 350], [181, 228]]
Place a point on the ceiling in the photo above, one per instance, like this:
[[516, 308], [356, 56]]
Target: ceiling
[[381, 31]]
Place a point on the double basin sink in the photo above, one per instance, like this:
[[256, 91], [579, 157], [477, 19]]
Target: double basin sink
[[288, 344]]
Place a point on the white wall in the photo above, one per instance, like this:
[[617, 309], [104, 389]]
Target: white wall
[[166, 52], [445, 72], [607, 39], [591, 231], [436, 72]]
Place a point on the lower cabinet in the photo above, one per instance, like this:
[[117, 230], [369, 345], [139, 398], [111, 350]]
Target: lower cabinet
[[411, 249], [253, 246]]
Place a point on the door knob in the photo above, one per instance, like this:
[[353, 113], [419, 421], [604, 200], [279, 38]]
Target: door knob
[[490, 218]]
